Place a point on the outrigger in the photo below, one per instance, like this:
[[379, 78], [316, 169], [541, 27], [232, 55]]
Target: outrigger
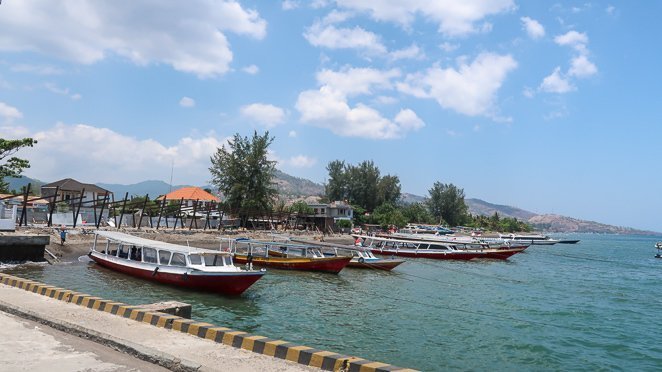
[[188, 267]]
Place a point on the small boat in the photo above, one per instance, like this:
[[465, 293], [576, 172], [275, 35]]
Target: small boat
[[287, 256], [534, 239], [431, 249], [173, 264], [568, 241], [362, 258], [658, 245]]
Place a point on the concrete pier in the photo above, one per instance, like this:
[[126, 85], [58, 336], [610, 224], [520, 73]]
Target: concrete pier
[[23, 247], [170, 307]]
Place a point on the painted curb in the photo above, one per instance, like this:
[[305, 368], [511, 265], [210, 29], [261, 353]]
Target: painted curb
[[305, 355]]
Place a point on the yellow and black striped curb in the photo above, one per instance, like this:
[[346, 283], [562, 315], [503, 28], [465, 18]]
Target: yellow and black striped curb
[[305, 355]]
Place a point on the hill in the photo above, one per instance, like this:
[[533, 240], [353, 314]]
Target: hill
[[17, 183], [290, 186], [481, 207], [154, 188]]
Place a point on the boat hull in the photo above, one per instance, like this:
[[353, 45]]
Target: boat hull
[[380, 264], [328, 264], [501, 254], [233, 283]]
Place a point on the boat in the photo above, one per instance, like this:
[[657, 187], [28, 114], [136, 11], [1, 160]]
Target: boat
[[287, 256], [173, 264], [658, 245], [432, 249], [465, 242], [362, 258], [568, 241], [534, 239]]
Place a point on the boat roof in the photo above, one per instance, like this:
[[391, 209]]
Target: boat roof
[[280, 244], [143, 242], [408, 241]]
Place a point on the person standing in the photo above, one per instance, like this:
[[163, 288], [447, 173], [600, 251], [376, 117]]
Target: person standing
[[63, 236]]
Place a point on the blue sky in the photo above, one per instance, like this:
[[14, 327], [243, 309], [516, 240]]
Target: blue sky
[[546, 106]]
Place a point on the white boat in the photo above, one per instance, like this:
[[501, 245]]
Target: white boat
[[534, 239], [183, 266]]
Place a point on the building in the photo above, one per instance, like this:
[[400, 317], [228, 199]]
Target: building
[[68, 189], [325, 216], [190, 196]]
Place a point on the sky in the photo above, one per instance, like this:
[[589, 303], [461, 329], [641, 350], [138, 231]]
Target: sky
[[546, 106]]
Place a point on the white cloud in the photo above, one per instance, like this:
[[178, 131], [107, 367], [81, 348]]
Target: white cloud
[[411, 52], [289, 4], [582, 67], [187, 102], [53, 88], [251, 70], [533, 28], [302, 161], [93, 154], [611, 10], [355, 81], [37, 69], [329, 36], [455, 18], [556, 83], [292, 134], [574, 39], [264, 114], [470, 89], [329, 107], [189, 36], [9, 113], [448, 47], [529, 92]]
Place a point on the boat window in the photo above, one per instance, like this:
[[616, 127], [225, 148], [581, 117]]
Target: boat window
[[227, 260], [195, 259], [213, 260], [112, 248], [178, 259], [164, 257], [136, 253], [149, 255], [123, 251]]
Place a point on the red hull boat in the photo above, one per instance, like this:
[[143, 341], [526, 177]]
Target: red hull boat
[[182, 266]]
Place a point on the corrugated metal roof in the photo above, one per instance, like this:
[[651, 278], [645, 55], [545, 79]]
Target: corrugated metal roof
[[142, 242]]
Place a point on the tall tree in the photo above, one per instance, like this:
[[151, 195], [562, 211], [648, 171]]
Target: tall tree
[[417, 213], [446, 202], [12, 166], [243, 174], [336, 189], [388, 190]]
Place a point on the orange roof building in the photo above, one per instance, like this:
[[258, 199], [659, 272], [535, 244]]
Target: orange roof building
[[190, 195]]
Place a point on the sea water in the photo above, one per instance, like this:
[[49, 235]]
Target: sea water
[[590, 306]]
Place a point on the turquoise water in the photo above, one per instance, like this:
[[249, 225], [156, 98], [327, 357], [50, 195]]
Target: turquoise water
[[590, 306]]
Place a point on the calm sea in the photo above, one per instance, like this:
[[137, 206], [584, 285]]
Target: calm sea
[[591, 306]]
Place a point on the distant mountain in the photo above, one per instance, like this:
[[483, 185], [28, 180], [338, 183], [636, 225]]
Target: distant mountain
[[556, 223], [407, 198], [290, 186], [17, 183], [153, 188], [481, 207]]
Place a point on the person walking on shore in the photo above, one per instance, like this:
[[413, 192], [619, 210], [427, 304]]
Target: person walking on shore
[[63, 236]]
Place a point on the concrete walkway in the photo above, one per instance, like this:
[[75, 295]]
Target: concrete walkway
[[29, 343]]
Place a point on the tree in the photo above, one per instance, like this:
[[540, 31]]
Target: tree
[[388, 189], [446, 202], [417, 213], [13, 166], [336, 189], [387, 214], [244, 174]]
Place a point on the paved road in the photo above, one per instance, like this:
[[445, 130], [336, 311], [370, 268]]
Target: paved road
[[30, 346]]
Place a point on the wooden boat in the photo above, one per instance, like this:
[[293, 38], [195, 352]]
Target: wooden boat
[[285, 256], [431, 249], [182, 266], [461, 241], [534, 239], [362, 258]]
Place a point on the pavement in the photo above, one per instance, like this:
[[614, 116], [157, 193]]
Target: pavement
[[39, 333]]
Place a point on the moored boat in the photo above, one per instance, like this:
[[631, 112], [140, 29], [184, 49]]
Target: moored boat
[[362, 258], [285, 256], [173, 264], [431, 249], [534, 239]]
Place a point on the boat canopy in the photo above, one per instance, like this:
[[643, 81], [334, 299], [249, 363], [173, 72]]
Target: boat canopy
[[143, 242]]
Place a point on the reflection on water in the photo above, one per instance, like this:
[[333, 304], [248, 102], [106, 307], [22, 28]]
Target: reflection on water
[[584, 306]]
